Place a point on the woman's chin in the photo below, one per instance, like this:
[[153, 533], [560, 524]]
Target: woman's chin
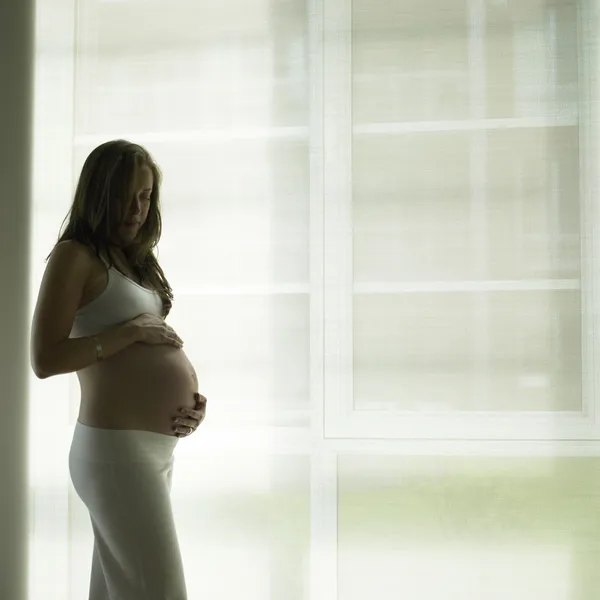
[[128, 234]]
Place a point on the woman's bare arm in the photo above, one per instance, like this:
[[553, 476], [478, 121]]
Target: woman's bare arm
[[52, 351]]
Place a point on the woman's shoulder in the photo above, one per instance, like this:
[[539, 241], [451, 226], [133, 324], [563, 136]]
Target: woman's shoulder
[[75, 251], [83, 247], [72, 248]]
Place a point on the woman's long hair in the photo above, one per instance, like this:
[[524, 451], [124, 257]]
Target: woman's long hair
[[102, 198]]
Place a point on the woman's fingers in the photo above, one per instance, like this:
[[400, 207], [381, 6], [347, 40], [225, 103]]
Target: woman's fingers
[[191, 417], [183, 422]]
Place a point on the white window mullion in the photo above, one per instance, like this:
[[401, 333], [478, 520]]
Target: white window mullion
[[316, 226], [323, 462], [323, 582], [338, 261], [478, 165], [589, 132]]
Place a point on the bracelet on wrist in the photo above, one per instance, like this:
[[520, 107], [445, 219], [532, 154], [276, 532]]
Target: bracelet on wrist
[[99, 353]]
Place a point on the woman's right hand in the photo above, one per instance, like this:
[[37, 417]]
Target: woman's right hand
[[151, 329]]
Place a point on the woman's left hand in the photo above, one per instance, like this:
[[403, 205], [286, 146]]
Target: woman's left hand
[[189, 419]]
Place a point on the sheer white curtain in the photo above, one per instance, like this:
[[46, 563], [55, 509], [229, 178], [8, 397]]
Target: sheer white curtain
[[380, 227]]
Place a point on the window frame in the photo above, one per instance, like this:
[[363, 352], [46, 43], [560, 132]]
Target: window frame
[[342, 420]]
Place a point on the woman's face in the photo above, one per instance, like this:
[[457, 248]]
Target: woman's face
[[140, 204]]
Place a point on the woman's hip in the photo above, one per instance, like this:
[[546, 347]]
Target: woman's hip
[[95, 444]]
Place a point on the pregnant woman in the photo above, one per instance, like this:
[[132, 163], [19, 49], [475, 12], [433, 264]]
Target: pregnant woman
[[101, 313]]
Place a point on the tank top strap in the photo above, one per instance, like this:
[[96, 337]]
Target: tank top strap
[[104, 261]]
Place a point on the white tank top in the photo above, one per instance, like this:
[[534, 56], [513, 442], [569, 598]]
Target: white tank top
[[122, 300]]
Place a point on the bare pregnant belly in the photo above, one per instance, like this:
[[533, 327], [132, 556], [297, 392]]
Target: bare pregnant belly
[[141, 387]]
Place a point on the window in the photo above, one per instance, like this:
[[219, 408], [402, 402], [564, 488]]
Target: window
[[379, 224]]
